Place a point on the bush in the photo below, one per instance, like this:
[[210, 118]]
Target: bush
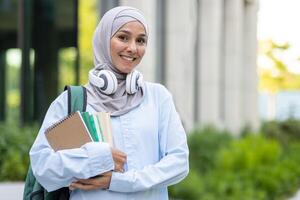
[[15, 143], [251, 161], [284, 131], [248, 153], [251, 167], [191, 188], [204, 145]]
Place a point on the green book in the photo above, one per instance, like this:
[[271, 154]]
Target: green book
[[89, 124], [98, 128], [94, 130]]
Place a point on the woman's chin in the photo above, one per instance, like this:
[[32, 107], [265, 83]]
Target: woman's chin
[[126, 70]]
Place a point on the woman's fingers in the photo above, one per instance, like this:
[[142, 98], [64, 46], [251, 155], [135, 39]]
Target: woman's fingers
[[118, 155], [119, 158], [81, 186], [98, 182], [89, 181], [119, 167]]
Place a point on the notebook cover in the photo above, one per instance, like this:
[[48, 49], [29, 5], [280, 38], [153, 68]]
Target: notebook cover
[[68, 133]]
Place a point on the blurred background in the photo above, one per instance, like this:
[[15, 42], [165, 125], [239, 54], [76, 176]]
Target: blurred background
[[233, 67]]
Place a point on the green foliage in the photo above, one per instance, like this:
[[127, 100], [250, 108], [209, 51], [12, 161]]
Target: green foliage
[[248, 153], [15, 143], [67, 59], [190, 188], [284, 131], [13, 74], [247, 161], [275, 75], [204, 144], [13, 84], [254, 166]]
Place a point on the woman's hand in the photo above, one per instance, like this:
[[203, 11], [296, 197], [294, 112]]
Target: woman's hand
[[99, 182], [102, 181], [119, 159]]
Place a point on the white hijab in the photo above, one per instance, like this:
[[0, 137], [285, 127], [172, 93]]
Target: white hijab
[[120, 102]]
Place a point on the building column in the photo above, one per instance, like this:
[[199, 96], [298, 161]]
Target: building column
[[180, 56], [233, 55], [24, 40], [2, 85], [148, 8], [106, 5], [46, 57], [209, 61], [250, 94]]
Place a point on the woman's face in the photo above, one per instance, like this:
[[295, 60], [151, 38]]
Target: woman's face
[[128, 46]]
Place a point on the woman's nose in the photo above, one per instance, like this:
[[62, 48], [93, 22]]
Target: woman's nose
[[132, 47]]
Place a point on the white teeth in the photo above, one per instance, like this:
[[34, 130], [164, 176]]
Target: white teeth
[[127, 58]]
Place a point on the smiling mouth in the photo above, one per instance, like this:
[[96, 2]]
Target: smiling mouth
[[128, 58]]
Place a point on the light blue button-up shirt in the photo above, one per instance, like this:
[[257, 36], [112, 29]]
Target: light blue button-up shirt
[[151, 135]]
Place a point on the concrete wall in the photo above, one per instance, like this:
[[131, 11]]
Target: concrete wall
[[208, 56], [180, 57], [210, 64]]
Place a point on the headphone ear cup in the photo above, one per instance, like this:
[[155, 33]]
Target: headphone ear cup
[[95, 80], [140, 80], [110, 82], [133, 82]]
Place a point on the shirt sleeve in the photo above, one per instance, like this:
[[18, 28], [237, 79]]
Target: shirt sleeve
[[55, 170], [172, 167]]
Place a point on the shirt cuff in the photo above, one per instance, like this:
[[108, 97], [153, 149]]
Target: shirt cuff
[[120, 182], [100, 158]]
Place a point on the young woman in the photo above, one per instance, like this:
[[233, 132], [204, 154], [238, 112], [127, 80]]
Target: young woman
[[150, 151]]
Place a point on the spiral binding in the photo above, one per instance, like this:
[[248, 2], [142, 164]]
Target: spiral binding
[[53, 126]]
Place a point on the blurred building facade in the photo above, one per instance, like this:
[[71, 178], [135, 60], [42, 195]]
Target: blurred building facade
[[43, 27], [204, 51]]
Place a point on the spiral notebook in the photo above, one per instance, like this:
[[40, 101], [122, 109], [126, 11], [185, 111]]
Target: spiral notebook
[[70, 132]]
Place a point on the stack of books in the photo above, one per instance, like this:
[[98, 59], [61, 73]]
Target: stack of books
[[79, 128]]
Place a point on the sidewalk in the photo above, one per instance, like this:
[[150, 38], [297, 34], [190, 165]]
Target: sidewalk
[[297, 196], [11, 190]]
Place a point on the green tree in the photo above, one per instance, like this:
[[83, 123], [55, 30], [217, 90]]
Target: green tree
[[274, 74], [277, 77]]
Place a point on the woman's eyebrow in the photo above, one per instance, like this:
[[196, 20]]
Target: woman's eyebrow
[[124, 31], [143, 35], [129, 33]]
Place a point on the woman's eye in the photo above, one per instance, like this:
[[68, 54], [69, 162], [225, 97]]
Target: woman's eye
[[141, 41], [123, 37]]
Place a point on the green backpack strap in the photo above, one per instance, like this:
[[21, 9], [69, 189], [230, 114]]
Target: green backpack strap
[[76, 98]]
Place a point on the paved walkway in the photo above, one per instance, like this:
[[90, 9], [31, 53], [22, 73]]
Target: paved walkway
[[14, 191], [297, 196], [11, 191]]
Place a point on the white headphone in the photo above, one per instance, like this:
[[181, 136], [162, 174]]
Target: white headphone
[[107, 82]]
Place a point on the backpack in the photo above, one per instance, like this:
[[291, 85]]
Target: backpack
[[77, 100]]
